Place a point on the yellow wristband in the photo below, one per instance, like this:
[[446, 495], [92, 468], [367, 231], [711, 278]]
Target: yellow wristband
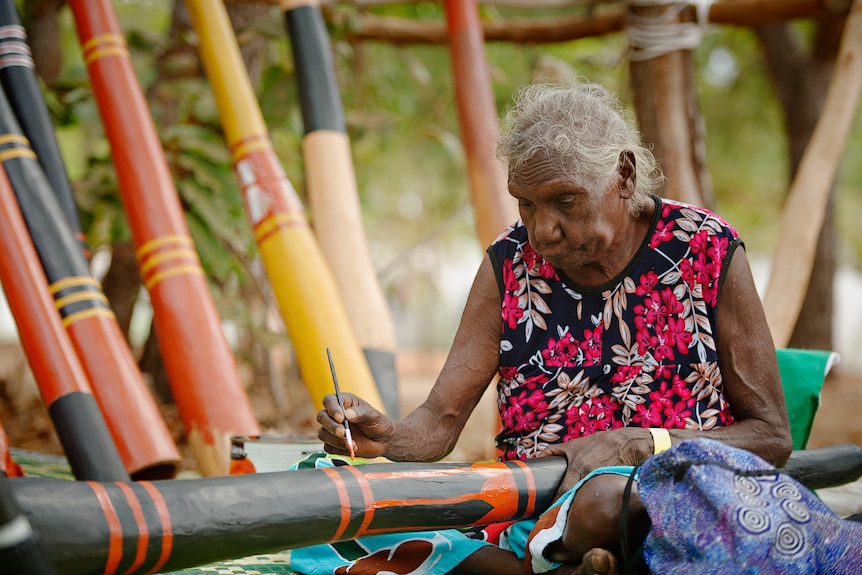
[[660, 439]]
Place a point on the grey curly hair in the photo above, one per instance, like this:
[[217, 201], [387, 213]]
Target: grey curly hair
[[583, 127]]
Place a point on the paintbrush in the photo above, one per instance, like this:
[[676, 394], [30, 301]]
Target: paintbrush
[[347, 435]]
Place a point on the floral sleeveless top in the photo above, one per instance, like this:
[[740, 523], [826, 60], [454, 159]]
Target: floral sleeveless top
[[638, 351]]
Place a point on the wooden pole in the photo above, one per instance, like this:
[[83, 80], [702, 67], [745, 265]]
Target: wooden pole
[[333, 195], [666, 103], [140, 433], [303, 285], [18, 79], [203, 376], [93, 529], [365, 26], [493, 208], [805, 207], [80, 426]]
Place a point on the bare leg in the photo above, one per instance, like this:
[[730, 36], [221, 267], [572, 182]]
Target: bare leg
[[492, 560], [594, 520], [591, 540]]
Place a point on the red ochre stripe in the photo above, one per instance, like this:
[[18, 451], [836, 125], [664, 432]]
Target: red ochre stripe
[[115, 529], [273, 224], [343, 501], [167, 528], [141, 522], [367, 497], [531, 487]]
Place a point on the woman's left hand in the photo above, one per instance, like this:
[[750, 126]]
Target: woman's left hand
[[624, 446]]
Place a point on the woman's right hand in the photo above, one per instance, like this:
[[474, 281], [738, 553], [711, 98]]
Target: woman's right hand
[[371, 429]]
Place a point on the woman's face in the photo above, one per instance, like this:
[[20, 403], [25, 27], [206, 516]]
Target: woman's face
[[574, 223]]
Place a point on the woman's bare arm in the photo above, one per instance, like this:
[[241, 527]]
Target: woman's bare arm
[[431, 431]]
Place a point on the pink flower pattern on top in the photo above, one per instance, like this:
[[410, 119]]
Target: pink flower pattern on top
[[638, 351]]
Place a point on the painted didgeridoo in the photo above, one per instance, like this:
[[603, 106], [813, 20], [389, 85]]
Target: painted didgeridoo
[[307, 296], [128, 407], [18, 78], [201, 370], [110, 528], [64, 388], [107, 528], [333, 196], [493, 208]]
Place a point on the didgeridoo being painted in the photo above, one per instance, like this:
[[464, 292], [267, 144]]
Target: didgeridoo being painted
[[301, 280], [134, 419], [109, 528], [64, 388], [333, 196], [204, 380], [159, 526], [493, 208]]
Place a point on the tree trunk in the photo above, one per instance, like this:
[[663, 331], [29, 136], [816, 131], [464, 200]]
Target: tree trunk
[[43, 32], [800, 79], [122, 284]]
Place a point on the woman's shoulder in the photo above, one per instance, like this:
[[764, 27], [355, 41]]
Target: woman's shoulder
[[692, 217], [510, 241]]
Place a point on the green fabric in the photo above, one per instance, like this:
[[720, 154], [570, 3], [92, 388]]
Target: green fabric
[[802, 374]]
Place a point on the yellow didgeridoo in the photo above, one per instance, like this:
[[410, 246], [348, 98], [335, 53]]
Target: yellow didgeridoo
[[333, 196], [493, 208], [308, 298], [204, 380]]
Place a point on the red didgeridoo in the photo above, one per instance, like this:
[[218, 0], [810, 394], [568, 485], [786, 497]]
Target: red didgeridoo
[[80, 426], [128, 407], [203, 376]]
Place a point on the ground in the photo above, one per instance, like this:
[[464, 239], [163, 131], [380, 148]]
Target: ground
[[282, 406]]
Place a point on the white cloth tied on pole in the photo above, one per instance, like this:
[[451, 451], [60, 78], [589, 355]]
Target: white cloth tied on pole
[[654, 36]]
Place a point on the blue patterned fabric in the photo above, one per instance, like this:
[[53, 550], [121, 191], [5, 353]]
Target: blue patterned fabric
[[720, 510]]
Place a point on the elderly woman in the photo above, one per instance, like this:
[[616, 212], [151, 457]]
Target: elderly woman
[[618, 322]]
